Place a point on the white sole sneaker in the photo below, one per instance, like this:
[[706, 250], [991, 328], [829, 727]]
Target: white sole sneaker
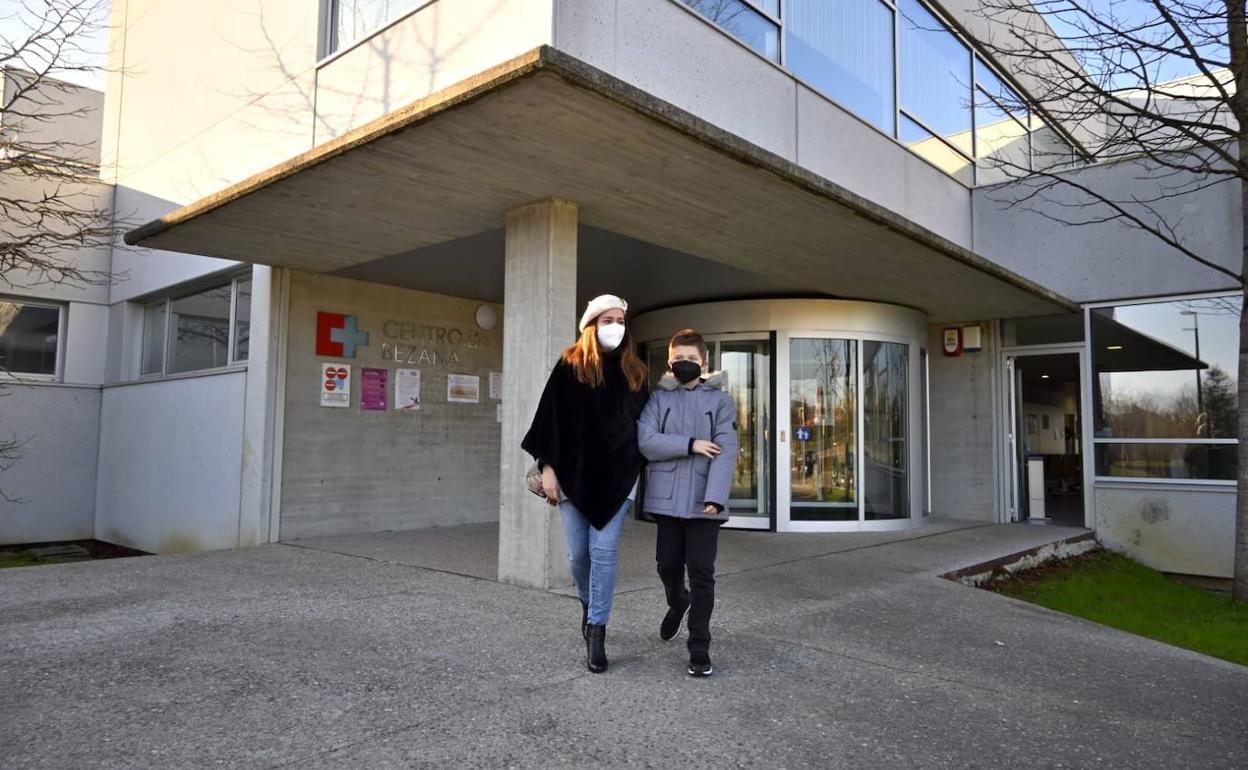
[[701, 674]]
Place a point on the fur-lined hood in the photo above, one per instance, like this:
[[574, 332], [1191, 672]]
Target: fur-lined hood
[[713, 381]]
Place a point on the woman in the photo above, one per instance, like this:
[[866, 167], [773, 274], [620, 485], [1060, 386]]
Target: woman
[[584, 437]]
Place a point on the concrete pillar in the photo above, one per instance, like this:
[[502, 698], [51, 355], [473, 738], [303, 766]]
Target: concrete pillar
[[539, 319], [263, 406]]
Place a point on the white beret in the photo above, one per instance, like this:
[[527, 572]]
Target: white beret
[[599, 305]]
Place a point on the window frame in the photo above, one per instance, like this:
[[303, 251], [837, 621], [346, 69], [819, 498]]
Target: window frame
[[973, 89], [166, 300], [1097, 441], [58, 367]]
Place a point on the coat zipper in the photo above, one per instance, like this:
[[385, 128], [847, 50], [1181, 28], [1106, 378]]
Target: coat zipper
[[711, 418], [663, 425]]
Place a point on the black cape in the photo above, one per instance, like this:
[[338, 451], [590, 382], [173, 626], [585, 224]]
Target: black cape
[[590, 436]]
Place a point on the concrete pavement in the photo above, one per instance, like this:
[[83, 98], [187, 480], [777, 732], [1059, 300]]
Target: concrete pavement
[[845, 652]]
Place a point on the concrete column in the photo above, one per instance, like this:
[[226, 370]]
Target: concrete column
[[539, 321], [265, 360]]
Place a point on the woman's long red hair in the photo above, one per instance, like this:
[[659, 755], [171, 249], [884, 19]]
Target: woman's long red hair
[[585, 357]]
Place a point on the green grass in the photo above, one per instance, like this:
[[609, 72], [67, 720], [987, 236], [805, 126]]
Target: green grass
[[1109, 588]]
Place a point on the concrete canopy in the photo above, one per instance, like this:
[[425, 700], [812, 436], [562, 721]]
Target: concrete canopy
[[546, 125]]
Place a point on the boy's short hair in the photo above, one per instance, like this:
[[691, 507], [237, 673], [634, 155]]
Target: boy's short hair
[[691, 338]]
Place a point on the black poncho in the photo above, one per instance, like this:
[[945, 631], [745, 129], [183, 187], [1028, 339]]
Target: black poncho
[[590, 436]]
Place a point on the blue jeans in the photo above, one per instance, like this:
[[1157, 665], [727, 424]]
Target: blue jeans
[[595, 557]]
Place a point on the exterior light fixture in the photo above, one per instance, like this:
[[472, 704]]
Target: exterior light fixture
[[1113, 347]]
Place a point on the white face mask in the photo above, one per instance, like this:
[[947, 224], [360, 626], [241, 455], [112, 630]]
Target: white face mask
[[610, 336]]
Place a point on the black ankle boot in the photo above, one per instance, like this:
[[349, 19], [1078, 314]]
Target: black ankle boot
[[596, 648], [584, 619]]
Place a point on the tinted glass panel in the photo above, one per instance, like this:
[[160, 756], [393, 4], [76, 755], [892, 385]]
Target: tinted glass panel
[[355, 19], [935, 75], [1166, 369], [200, 330], [823, 396], [28, 337], [154, 338], [935, 151], [748, 25], [845, 49], [242, 320], [1000, 141], [1167, 461], [885, 476]]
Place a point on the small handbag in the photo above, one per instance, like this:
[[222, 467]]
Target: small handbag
[[533, 482]]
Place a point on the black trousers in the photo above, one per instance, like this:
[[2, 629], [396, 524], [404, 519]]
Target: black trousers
[[689, 545]]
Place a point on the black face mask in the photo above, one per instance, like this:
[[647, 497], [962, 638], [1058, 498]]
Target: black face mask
[[686, 371]]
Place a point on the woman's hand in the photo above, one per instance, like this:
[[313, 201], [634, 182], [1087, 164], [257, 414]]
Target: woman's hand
[[550, 485], [708, 449]]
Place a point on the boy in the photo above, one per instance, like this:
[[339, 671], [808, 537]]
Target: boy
[[688, 432]]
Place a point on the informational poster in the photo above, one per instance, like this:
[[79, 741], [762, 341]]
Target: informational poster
[[463, 389], [335, 385], [407, 389], [373, 388], [496, 386]]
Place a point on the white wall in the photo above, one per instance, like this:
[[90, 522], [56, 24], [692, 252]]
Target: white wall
[[1170, 527], [54, 480], [442, 44], [673, 53], [170, 459]]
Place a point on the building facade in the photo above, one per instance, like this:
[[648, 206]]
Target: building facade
[[367, 228]]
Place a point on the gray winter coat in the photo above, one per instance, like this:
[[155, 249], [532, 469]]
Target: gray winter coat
[[678, 483]]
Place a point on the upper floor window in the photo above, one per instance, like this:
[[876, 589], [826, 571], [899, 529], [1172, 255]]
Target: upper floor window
[[352, 20], [29, 339], [898, 66], [754, 22], [207, 329]]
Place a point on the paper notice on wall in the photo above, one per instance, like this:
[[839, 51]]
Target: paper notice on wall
[[373, 389], [335, 384], [407, 389], [496, 386], [463, 389]]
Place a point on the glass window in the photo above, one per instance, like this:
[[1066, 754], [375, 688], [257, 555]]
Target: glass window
[[936, 151], [1167, 369], [845, 49], [242, 318], [199, 331], [823, 392], [1167, 461], [744, 22], [356, 19], [1043, 330], [1000, 141], [885, 477], [154, 338], [28, 338], [935, 75]]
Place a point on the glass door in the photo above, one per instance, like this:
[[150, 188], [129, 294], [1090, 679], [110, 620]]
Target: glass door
[[844, 439], [746, 360]]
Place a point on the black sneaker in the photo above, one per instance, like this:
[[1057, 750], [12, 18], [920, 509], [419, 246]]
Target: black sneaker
[[700, 664], [672, 623]]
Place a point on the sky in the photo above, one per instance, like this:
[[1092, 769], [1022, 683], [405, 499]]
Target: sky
[[14, 28]]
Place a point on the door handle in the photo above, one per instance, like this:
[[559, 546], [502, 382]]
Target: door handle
[[782, 439]]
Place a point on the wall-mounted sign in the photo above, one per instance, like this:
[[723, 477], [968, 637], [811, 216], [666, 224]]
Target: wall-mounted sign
[[496, 386], [802, 433], [407, 389], [338, 335], [953, 341], [373, 389], [335, 384], [463, 388]]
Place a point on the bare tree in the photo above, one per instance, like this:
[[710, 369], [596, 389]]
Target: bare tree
[[53, 206], [1108, 74]]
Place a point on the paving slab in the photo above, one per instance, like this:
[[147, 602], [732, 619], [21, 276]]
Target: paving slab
[[860, 656]]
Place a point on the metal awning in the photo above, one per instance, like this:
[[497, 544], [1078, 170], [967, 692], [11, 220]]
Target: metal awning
[[548, 125]]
